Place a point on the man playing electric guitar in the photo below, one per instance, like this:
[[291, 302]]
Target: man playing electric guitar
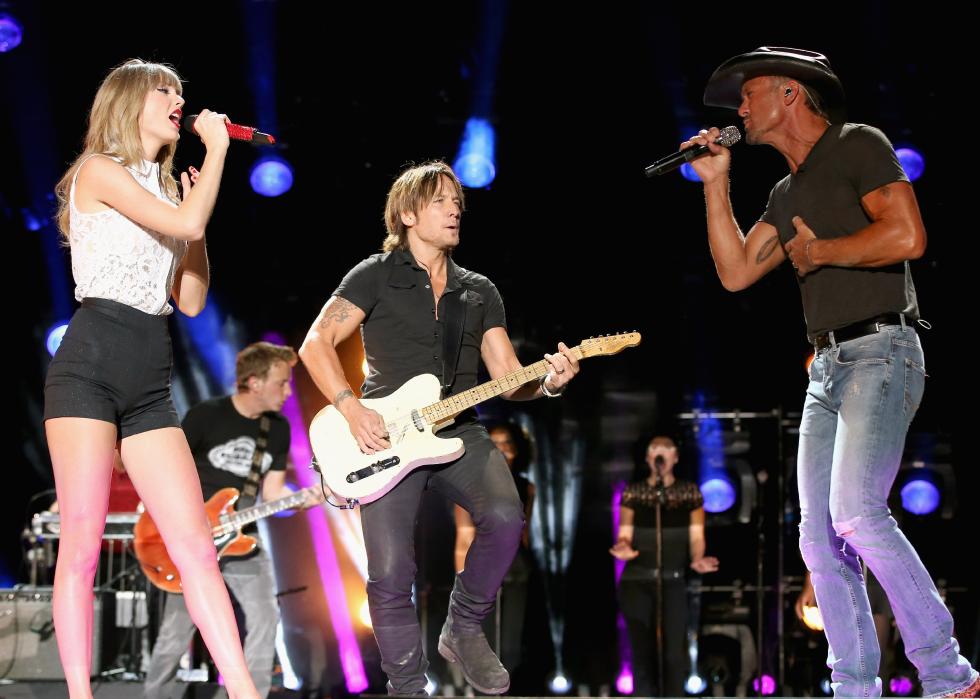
[[423, 314], [226, 436]]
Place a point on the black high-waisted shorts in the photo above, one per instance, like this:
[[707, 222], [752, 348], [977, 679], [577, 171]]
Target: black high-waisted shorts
[[114, 365]]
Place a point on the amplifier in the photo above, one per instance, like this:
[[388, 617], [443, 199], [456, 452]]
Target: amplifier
[[28, 649]]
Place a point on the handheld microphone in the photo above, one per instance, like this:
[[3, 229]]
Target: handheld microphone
[[237, 132], [728, 137]]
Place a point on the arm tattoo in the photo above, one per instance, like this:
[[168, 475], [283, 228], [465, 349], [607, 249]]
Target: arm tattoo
[[346, 393], [765, 252], [339, 312], [886, 192]]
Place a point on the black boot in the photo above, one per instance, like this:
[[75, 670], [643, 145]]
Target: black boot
[[402, 659], [462, 641]]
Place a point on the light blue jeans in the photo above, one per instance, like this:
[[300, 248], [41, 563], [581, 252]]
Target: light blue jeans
[[860, 400]]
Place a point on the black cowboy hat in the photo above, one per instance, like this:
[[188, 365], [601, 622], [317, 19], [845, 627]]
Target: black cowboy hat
[[810, 68]]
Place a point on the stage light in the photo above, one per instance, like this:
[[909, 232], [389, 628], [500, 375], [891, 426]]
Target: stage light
[[624, 683], [474, 165], [729, 491], [719, 494], [365, 615], [900, 685], [559, 684], [11, 32], [912, 162], [55, 333], [919, 496], [687, 170], [695, 684], [927, 489], [271, 177], [766, 687], [812, 618]]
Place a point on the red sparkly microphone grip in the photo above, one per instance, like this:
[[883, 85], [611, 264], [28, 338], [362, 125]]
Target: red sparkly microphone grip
[[237, 132]]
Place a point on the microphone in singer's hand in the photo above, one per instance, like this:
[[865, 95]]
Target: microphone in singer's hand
[[658, 463], [728, 137], [237, 132]]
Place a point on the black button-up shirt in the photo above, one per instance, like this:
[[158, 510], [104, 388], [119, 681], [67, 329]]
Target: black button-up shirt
[[403, 334]]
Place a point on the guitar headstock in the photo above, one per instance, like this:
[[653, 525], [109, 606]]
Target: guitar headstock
[[605, 345]]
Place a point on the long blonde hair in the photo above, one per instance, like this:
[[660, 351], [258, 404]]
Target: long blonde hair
[[113, 127]]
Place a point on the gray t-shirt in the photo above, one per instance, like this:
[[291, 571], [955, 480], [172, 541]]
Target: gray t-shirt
[[848, 162]]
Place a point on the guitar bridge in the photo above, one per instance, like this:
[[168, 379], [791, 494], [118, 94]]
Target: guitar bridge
[[370, 470]]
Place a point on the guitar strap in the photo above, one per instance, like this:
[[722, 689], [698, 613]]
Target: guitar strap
[[250, 490], [453, 319]]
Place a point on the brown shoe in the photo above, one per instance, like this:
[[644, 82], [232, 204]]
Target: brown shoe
[[972, 691]]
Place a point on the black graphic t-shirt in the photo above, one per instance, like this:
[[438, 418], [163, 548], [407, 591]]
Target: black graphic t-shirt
[[223, 443]]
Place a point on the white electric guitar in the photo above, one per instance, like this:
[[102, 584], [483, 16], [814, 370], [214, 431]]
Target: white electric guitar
[[412, 415]]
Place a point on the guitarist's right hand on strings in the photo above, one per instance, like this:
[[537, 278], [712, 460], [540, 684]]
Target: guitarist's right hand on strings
[[367, 426]]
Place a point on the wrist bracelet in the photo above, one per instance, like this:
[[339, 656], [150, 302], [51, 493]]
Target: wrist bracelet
[[544, 388]]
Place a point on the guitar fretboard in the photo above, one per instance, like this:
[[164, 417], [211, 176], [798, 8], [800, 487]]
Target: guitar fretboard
[[448, 407], [236, 520]]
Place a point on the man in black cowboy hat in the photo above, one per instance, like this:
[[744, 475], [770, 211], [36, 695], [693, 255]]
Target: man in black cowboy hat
[[847, 220]]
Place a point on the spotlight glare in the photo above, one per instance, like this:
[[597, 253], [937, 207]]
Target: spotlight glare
[[920, 497], [474, 163], [687, 170], [11, 32], [812, 618], [768, 684], [559, 684], [719, 494], [912, 162], [55, 333], [900, 685], [624, 683], [271, 177], [31, 220], [365, 615], [695, 684]]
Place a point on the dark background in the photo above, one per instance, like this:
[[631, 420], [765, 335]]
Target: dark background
[[576, 239]]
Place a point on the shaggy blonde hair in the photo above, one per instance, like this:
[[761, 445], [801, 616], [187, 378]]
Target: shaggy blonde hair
[[412, 191], [113, 127]]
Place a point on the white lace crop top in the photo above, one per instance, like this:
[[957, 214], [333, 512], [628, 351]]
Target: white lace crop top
[[113, 257]]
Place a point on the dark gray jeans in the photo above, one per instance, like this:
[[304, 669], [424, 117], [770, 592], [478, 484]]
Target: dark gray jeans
[[479, 481]]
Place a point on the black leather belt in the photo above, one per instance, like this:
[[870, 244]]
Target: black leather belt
[[859, 329]]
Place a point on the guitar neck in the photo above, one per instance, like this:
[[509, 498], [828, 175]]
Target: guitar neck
[[237, 520], [448, 407]]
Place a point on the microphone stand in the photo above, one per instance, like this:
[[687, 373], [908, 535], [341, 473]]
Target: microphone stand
[[660, 500]]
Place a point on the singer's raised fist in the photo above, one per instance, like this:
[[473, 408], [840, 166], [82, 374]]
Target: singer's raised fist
[[212, 129], [709, 168]]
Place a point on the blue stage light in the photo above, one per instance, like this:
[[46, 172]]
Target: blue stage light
[[271, 177], [474, 163]]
